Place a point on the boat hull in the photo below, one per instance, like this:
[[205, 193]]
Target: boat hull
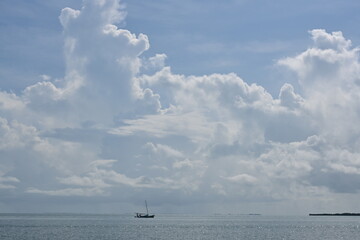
[[144, 216]]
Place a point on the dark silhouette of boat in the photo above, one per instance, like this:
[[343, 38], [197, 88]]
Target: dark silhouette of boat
[[144, 215], [334, 214]]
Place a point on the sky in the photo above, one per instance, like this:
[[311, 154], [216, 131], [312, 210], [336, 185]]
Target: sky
[[232, 106]]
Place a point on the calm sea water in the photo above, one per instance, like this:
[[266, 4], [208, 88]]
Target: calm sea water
[[71, 226]]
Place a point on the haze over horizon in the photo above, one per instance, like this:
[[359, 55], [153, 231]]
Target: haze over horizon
[[242, 107]]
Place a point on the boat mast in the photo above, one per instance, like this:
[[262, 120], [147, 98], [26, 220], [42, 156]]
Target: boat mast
[[147, 211]]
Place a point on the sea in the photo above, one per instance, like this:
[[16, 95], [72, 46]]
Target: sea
[[174, 227]]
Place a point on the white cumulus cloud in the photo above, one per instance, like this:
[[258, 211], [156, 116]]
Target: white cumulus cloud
[[120, 125]]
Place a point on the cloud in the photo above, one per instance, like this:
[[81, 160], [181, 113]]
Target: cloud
[[11, 106], [242, 178], [120, 125], [16, 135], [8, 182], [163, 150], [67, 192], [289, 98], [154, 63], [330, 62], [335, 40], [329, 76]]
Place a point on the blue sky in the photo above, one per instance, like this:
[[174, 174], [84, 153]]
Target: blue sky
[[228, 106]]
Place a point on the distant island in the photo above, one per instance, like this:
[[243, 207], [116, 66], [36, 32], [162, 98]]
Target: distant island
[[334, 214]]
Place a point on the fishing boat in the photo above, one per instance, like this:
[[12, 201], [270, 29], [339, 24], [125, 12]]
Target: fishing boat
[[144, 215]]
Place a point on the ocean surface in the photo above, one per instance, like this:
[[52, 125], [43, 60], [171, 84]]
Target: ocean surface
[[81, 226]]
